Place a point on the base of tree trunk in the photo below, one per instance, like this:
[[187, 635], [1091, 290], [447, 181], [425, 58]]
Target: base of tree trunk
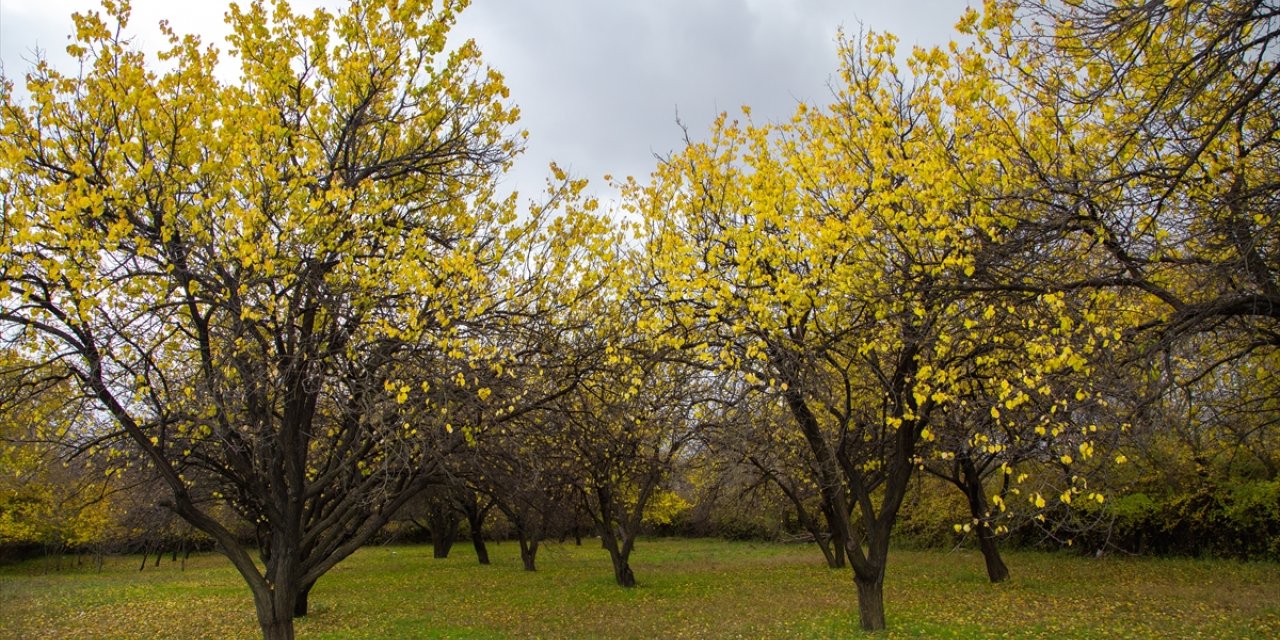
[[301, 604], [278, 630], [871, 604], [997, 571], [440, 549], [622, 572], [529, 555], [482, 551]]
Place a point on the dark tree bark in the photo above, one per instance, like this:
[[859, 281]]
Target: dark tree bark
[[845, 484], [528, 553], [476, 512], [477, 542], [971, 483], [620, 555], [825, 544], [444, 531], [835, 539], [829, 540], [266, 378], [300, 603], [871, 601], [996, 569], [616, 536], [529, 525], [528, 541]]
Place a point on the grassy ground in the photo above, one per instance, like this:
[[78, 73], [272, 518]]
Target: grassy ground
[[688, 589]]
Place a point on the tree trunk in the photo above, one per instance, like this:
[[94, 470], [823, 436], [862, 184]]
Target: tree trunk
[[622, 571], [835, 538], [444, 531], [871, 602], [300, 603], [441, 544], [528, 553], [978, 508], [619, 549], [619, 555], [477, 538], [482, 552], [278, 630], [996, 569], [275, 602], [621, 562], [837, 544], [825, 544]]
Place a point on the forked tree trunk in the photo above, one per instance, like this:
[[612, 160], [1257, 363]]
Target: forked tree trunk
[[837, 545], [617, 541], [528, 552], [869, 564], [620, 555], [619, 550], [527, 538], [622, 572], [475, 521], [441, 544]]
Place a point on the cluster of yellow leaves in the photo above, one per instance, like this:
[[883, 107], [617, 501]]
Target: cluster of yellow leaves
[[865, 231]]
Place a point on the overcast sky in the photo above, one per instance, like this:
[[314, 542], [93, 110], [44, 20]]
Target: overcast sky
[[599, 82]]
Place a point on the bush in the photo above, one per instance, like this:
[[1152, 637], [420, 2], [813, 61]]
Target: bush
[[1239, 519]]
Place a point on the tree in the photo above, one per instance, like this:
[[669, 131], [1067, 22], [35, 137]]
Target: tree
[[996, 436], [526, 481], [845, 264], [625, 424], [989, 461], [1201, 455], [1170, 177], [439, 507], [270, 285], [1166, 183]]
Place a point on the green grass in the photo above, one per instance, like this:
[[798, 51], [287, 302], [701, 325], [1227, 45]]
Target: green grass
[[688, 589]]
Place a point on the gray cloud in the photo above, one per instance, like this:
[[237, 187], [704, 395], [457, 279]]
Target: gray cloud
[[600, 83]]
